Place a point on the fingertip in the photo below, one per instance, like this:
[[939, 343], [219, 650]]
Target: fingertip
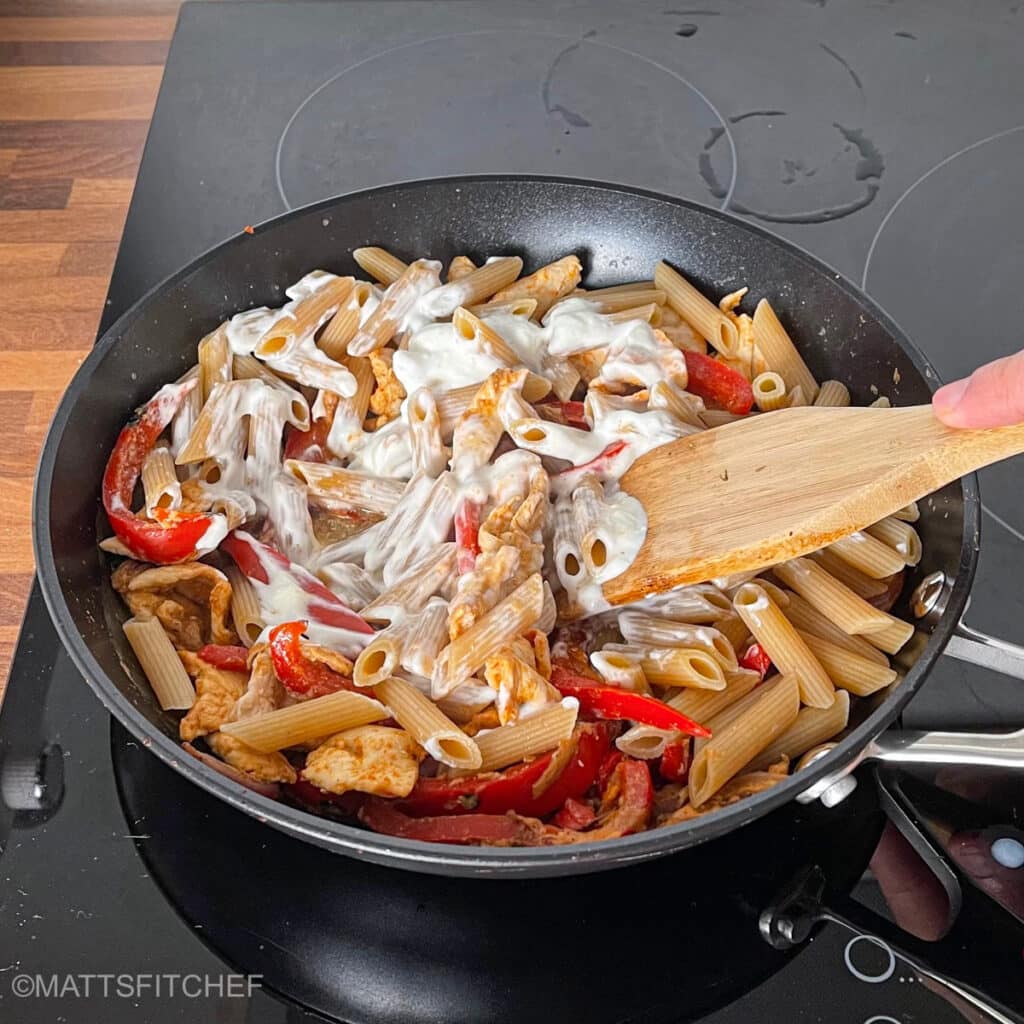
[[946, 402]]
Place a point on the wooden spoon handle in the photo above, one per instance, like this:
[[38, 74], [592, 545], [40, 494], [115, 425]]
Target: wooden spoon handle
[[956, 452]]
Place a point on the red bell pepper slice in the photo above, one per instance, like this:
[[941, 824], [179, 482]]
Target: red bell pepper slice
[[252, 556], [569, 414], [575, 815], [301, 675], [713, 381], [615, 704], [608, 765], [174, 536], [756, 658], [311, 445], [225, 656], [505, 829], [675, 761], [513, 788], [627, 801], [467, 535]]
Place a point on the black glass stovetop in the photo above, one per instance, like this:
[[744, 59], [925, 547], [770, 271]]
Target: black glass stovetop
[[887, 138]]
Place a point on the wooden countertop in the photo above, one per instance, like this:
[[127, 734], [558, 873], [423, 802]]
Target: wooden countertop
[[77, 88]]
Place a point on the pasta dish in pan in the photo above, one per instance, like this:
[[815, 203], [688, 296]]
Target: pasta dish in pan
[[366, 556]]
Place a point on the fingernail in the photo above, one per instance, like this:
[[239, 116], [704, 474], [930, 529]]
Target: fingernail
[[947, 398]]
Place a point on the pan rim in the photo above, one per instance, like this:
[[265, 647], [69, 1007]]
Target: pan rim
[[422, 856]]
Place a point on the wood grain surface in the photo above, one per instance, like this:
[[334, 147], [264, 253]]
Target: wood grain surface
[[78, 81]]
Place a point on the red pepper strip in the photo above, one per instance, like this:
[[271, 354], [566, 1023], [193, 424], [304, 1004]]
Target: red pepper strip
[[311, 445], [569, 414], [608, 765], [713, 381], [323, 607], [299, 674], [174, 537], [597, 463], [506, 829], [575, 814], [611, 702], [225, 656], [675, 761], [512, 789], [756, 658], [467, 535], [306, 793]]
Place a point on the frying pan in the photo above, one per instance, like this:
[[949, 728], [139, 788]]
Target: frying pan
[[619, 233]]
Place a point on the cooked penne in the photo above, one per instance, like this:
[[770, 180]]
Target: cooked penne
[[429, 454], [452, 406], [215, 366], [527, 737], [847, 670], [341, 328], [700, 313], [250, 368], [437, 734], [379, 263], [784, 645], [840, 569], [245, 606], [548, 612], [398, 303], [650, 312], [769, 391], [734, 629], [685, 407], [160, 663], [546, 285], [563, 375], [306, 721], [899, 536], [467, 653], [459, 267], [639, 628], [477, 286], [343, 487], [615, 301], [427, 634], [833, 393], [308, 316], [893, 636], [779, 352], [808, 619], [718, 417], [347, 429], [411, 592], [188, 412], [835, 601], [382, 656], [797, 398], [773, 708], [524, 307], [478, 432], [811, 727], [702, 705], [676, 666], [700, 604], [868, 554], [352, 584], [160, 481], [909, 513], [644, 742], [622, 668]]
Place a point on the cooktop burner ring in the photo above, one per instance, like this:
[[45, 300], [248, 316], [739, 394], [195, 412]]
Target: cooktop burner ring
[[573, 43]]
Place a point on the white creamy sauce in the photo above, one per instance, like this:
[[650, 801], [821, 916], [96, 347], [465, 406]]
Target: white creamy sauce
[[622, 525], [246, 328], [440, 359], [385, 452]]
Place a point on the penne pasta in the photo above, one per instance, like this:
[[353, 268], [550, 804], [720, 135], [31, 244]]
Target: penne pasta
[[341, 328], [622, 668], [700, 313], [466, 653], [477, 286], [427, 634], [892, 637], [868, 555], [833, 393], [410, 593], [527, 737], [546, 285], [840, 569], [780, 354], [215, 360], [343, 487], [437, 734], [306, 721], [847, 670], [250, 368], [645, 742], [459, 267], [310, 314], [899, 536], [395, 307], [639, 628], [160, 663], [686, 408], [703, 705], [160, 481], [676, 666], [701, 604], [379, 264], [245, 606], [524, 307], [811, 727], [772, 710], [769, 391], [808, 619], [835, 601], [909, 513], [352, 584], [784, 645]]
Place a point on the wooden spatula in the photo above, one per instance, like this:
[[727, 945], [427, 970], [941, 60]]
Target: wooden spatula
[[778, 485]]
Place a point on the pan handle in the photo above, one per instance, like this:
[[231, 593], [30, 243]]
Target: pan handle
[[995, 749]]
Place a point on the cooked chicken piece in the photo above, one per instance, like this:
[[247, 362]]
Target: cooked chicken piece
[[216, 693], [734, 790], [386, 400], [262, 767], [192, 601], [516, 683], [264, 691], [369, 759]]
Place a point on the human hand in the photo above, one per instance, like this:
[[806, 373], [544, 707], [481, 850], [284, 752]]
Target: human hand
[[993, 396]]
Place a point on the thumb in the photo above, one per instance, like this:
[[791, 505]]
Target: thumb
[[993, 396]]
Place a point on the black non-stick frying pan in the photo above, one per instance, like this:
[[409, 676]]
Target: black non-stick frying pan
[[619, 234]]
